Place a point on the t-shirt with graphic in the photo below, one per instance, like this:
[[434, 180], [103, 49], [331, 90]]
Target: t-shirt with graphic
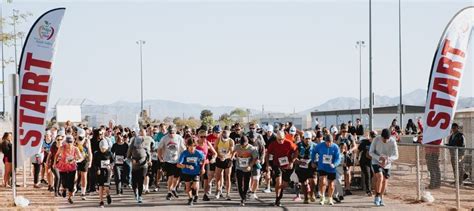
[[191, 159], [281, 153], [172, 148], [244, 155]]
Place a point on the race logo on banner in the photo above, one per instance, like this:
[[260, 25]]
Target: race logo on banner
[[446, 76], [35, 76]]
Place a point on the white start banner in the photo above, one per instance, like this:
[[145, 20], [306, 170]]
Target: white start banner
[[446, 75], [35, 76]]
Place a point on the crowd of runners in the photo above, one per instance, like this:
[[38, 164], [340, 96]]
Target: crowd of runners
[[206, 162]]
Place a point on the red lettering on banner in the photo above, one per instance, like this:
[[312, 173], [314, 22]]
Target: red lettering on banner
[[32, 136], [449, 67], [447, 48], [434, 119], [32, 81], [30, 61], [440, 101], [446, 85], [33, 102], [30, 119]]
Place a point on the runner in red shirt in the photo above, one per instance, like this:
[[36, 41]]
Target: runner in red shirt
[[283, 154]]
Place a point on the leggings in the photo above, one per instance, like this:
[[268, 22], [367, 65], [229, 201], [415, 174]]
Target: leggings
[[243, 182], [67, 179], [57, 179], [367, 174], [138, 176], [36, 172], [119, 177]]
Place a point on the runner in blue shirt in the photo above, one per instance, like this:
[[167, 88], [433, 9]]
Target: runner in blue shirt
[[328, 159], [191, 162]]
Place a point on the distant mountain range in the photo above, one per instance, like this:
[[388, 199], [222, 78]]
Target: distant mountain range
[[129, 111], [417, 97]]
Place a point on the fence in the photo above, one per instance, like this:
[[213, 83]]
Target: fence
[[444, 172]]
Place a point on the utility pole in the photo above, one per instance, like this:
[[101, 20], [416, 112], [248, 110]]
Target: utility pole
[[371, 94], [141, 43], [400, 58], [360, 44]]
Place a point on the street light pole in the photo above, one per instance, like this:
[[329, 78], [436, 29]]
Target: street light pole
[[400, 58], [371, 95], [360, 44], [141, 43]]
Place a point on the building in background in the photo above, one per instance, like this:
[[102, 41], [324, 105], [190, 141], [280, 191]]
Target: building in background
[[299, 121], [383, 116]]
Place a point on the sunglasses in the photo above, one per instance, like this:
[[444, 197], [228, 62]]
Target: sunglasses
[[238, 129], [252, 128], [202, 136]]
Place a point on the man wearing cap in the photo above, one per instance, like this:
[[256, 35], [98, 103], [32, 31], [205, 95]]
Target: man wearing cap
[[327, 156], [269, 137], [384, 152], [169, 149], [304, 170]]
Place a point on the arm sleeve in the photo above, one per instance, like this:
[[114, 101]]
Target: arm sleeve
[[372, 151], [181, 158], [314, 151]]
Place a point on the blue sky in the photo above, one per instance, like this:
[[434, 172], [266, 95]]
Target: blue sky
[[283, 54]]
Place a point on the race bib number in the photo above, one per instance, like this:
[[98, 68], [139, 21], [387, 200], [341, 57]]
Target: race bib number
[[69, 158], [283, 161], [154, 156], [119, 159], [304, 163], [270, 157], [104, 164], [244, 162], [327, 159], [191, 159]]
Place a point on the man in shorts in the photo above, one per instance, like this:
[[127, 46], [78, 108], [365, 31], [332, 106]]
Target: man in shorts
[[328, 156], [169, 149], [383, 151], [284, 154]]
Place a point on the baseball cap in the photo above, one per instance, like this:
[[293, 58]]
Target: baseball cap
[[293, 130], [217, 129], [104, 144], [81, 133], [270, 128], [308, 134]]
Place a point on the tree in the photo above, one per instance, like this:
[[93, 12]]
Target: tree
[[175, 120], [208, 121], [205, 113], [8, 38], [239, 112], [225, 120]]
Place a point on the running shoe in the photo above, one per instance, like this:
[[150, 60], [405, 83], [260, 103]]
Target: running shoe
[[381, 203], [70, 201], [190, 202], [306, 201], [101, 204], [312, 198], [331, 202], [347, 192], [175, 194], [377, 200], [64, 194], [322, 200], [228, 198], [168, 197], [83, 197], [44, 181], [242, 203], [277, 203], [267, 190], [205, 198], [218, 195], [297, 199], [195, 199], [254, 196], [109, 199], [140, 200]]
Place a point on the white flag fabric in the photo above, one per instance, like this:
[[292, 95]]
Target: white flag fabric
[[35, 76], [446, 76]]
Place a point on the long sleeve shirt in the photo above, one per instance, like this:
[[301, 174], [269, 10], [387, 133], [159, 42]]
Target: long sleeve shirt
[[389, 150], [326, 157]]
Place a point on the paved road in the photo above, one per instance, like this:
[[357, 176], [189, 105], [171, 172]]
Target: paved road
[[157, 201]]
